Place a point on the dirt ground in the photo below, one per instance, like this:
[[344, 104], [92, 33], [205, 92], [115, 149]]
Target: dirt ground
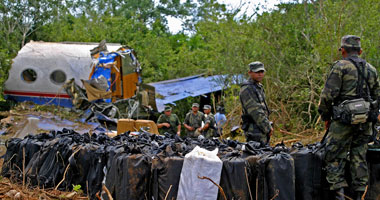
[[49, 118]]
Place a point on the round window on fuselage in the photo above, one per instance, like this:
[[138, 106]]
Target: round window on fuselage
[[58, 77], [29, 75]]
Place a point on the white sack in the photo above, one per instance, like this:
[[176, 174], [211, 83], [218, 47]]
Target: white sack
[[200, 162]]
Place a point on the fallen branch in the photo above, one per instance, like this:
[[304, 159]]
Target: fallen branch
[[97, 196], [246, 177], [288, 141], [220, 188], [23, 167], [64, 177], [276, 195], [108, 192], [167, 193], [257, 188], [67, 168], [293, 134], [365, 192], [347, 197], [49, 194], [8, 184], [44, 196]]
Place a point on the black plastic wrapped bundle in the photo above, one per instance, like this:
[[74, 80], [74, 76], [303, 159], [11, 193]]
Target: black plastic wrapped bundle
[[279, 175], [86, 167], [308, 172], [166, 172], [129, 177], [252, 153], [310, 175], [54, 164], [42, 157], [19, 151], [11, 158], [373, 160], [235, 177]]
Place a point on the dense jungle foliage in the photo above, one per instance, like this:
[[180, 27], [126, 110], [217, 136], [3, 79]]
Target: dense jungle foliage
[[297, 41]]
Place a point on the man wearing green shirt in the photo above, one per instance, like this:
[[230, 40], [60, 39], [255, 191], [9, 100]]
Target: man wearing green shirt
[[169, 122], [209, 127], [193, 121]]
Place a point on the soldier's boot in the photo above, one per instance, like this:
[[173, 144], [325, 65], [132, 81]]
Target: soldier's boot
[[339, 194], [359, 195]]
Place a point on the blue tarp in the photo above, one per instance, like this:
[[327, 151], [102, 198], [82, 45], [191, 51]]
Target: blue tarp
[[167, 92]]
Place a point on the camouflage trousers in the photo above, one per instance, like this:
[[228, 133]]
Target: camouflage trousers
[[257, 137], [347, 145]]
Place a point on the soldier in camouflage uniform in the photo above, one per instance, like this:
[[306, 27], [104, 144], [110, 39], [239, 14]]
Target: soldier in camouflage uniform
[[193, 121], [169, 122], [256, 124], [209, 127], [348, 143]]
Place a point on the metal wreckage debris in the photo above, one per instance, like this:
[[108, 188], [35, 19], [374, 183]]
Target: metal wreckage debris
[[149, 166]]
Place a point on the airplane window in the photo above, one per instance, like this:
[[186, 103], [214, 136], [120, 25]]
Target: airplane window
[[58, 77], [29, 75]]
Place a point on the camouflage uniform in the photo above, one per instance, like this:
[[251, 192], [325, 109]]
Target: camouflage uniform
[[194, 120], [252, 98], [211, 129], [172, 120], [346, 143]]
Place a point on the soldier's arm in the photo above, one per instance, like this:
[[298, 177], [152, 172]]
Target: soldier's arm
[[330, 92], [207, 124], [178, 125], [207, 120], [186, 123], [375, 89], [255, 110], [179, 129], [160, 122]]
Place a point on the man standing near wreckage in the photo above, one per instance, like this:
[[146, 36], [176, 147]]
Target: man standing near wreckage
[[193, 121], [256, 124], [348, 106], [169, 122], [209, 127]]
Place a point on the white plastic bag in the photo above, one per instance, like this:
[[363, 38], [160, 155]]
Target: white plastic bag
[[200, 162]]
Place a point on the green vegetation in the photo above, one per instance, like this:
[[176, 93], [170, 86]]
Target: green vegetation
[[297, 41], [78, 188]]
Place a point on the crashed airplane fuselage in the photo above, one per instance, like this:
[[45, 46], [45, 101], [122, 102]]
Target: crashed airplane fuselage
[[40, 70]]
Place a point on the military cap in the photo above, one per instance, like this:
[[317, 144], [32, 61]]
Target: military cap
[[350, 41], [256, 66], [195, 105], [168, 108], [206, 107]]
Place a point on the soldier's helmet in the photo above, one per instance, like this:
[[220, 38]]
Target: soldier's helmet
[[350, 41], [256, 66]]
